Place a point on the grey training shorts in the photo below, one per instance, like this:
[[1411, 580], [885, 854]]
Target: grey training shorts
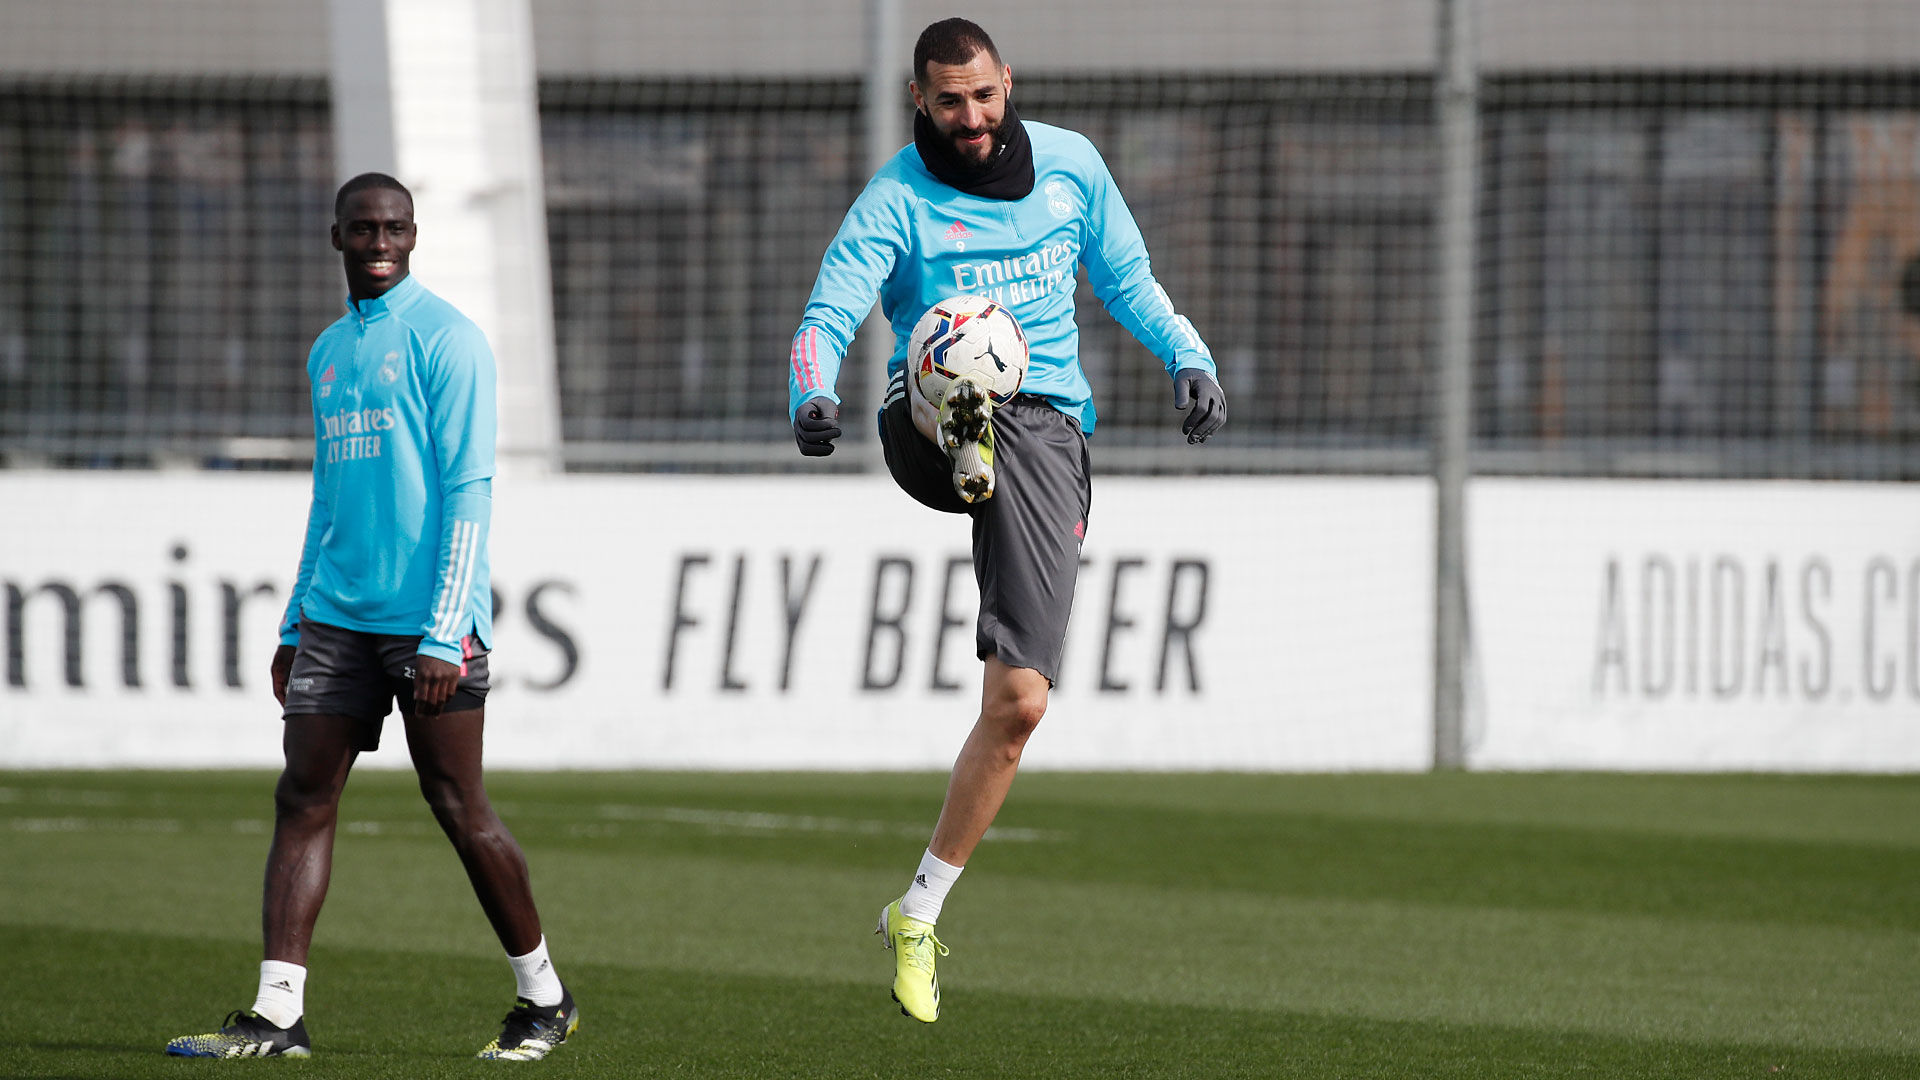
[[352, 673], [1027, 537]]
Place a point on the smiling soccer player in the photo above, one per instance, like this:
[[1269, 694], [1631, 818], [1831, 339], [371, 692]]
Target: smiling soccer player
[[986, 203], [392, 605]]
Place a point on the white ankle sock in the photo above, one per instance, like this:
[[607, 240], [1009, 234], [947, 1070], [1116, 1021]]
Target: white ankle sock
[[283, 992], [534, 978], [928, 893]]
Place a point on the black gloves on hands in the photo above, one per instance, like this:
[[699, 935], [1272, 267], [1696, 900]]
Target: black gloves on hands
[[817, 422], [1205, 404], [815, 425]]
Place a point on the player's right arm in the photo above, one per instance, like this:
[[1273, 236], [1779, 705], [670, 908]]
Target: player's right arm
[[282, 668], [871, 241], [319, 513], [319, 519]]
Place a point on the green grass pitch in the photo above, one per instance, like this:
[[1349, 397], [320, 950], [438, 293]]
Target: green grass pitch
[[1471, 926]]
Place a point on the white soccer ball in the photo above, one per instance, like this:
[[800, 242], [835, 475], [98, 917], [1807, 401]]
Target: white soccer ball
[[968, 335]]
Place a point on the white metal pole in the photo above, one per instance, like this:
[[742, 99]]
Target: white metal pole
[[441, 94], [884, 89], [1459, 121]]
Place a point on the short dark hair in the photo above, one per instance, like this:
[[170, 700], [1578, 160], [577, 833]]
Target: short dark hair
[[950, 41], [364, 182]]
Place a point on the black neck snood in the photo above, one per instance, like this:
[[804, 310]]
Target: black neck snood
[[1009, 176]]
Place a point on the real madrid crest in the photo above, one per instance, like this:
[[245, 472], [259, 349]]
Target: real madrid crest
[[1059, 198]]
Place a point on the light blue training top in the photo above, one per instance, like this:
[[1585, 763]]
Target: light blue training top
[[404, 413], [912, 240]]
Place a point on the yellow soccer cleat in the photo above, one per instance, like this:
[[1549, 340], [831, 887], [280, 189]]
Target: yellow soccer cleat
[[966, 430], [915, 985]]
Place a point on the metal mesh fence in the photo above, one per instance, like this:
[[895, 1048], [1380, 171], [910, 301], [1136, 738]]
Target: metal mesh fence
[[1700, 276], [683, 219], [1288, 217], [160, 278], [1699, 254]]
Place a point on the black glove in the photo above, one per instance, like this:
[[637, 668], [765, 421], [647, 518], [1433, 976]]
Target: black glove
[[1205, 404], [815, 425]]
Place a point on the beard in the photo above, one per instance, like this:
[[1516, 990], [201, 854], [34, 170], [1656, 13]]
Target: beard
[[996, 142], [1004, 171]]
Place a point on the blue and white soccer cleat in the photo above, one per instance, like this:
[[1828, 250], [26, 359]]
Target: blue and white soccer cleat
[[246, 1034], [531, 1031]]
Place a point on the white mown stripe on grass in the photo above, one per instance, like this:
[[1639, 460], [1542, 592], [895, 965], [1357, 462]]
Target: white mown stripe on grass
[[747, 821], [83, 824]]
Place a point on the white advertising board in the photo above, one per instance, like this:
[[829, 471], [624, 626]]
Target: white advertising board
[[719, 622], [1765, 626]]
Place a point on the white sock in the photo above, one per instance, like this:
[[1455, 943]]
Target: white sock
[[928, 893], [283, 992], [534, 978]]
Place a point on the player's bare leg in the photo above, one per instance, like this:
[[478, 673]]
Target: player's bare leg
[[446, 750], [306, 807], [1012, 701]]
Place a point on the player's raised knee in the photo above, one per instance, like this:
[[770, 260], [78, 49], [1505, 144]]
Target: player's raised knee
[[1017, 715]]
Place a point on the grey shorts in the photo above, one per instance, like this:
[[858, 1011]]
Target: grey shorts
[[1027, 537], [352, 673]]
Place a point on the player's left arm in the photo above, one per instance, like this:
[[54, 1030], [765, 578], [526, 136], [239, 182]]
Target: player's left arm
[[1121, 274], [462, 422]]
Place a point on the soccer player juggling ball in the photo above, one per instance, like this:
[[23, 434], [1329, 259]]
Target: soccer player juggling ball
[[985, 203], [392, 603]]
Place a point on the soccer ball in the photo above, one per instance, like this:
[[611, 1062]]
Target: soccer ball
[[968, 335]]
